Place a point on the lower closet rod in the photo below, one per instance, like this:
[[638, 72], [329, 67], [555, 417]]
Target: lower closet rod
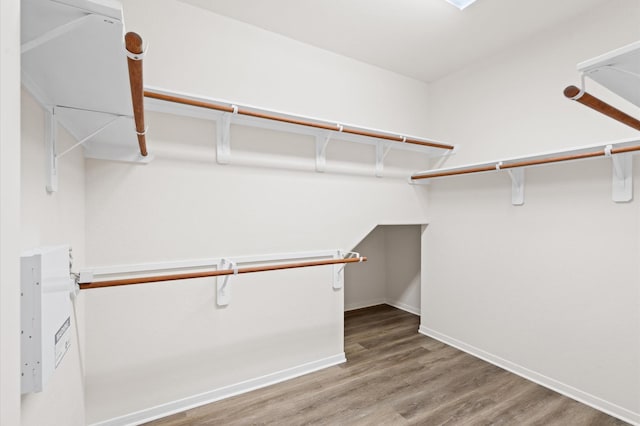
[[217, 273]]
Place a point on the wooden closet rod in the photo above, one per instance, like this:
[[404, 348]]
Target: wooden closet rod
[[217, 273], [133, 44], [298, 121], [602, 107], [570, 92], [525, 163]]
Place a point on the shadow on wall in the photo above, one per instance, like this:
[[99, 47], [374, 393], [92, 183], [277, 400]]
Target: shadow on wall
[[392, 273]]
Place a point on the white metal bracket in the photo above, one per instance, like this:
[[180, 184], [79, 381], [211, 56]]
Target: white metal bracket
[[321, 152], [338, 269], [382, 149], [223, 286], [517, 186], [622, 176], [92, 134], [50, 132], [223, 137], [85, 276]]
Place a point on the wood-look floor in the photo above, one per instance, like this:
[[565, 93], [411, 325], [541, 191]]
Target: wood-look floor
[[395, 376]]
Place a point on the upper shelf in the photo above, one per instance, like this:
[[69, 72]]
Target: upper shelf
[[162, 100], [618, 71], [74, 64], [620, 153], [225, 113], [578, 153]]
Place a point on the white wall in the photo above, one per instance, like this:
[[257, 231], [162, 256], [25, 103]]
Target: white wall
[[392, 272], [264, 69], [47, 220], [548, 289], [402, 270], [154, 344], [366, 285], [512, 104], [9, 212]]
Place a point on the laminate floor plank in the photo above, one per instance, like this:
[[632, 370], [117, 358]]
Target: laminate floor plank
[[395, 376]]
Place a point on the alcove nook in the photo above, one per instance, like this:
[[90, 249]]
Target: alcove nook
[[392, 274]]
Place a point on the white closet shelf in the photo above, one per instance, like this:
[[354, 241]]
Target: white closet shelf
[[223, 268], [618, 71], [74, 64], [225, 113], [619, 151]]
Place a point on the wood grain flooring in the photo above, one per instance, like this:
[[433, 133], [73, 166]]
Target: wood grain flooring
[[395, 376]]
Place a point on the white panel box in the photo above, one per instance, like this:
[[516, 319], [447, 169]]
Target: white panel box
[[46, 284]]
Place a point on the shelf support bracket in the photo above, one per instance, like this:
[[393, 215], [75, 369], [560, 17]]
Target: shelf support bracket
[[622, 176], [382, 149], [517, 186], [223, 138], [222, 283], [88, 137], [338, 270], [50, 133], [321, 152]]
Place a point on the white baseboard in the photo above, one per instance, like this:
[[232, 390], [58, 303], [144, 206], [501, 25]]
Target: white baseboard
[[376, 302], [366, 304], [404, 307], [567, 390], [180, 405]]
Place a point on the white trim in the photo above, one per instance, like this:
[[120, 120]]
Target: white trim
[[361, 305], [404, 307], [548, 382], [376, 302], [180, 405]]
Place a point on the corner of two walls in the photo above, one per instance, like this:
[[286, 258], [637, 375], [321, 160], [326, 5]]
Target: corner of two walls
[[48, 220]]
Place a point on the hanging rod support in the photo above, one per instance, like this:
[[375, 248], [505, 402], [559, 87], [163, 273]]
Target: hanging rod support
[[382, 149], [517, 186], [580, 92], [338, 269], [622, 175], [223, 138], [321, 152], [51, 130], [617, 167], [223, 287]]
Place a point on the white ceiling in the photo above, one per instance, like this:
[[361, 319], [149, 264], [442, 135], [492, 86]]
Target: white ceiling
[[423, 39]]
